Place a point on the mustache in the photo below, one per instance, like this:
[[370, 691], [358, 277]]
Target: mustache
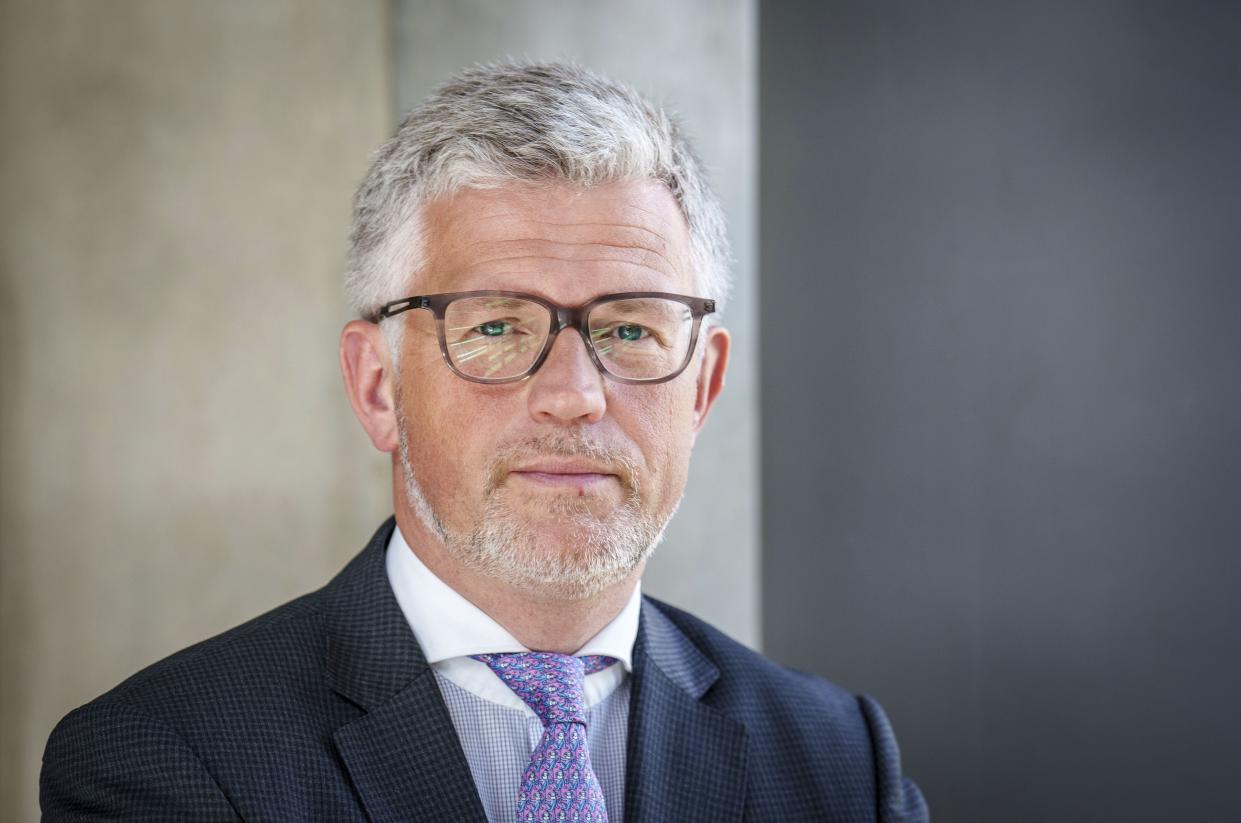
[[615, 461]]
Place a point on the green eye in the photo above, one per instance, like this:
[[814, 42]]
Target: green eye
[[494, 328], [629, 332]]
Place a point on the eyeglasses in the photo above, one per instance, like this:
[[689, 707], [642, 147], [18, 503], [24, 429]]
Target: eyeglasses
[[504, 336]]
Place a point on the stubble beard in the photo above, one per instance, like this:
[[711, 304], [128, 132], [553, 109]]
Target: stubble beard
[[505, 546]]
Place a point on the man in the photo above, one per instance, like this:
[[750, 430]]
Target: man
[[537, 264]]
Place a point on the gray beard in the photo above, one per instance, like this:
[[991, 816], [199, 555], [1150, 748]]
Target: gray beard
[[503, 546]]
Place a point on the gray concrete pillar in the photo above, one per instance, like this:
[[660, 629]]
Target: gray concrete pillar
[[177, 451], [700, 58]]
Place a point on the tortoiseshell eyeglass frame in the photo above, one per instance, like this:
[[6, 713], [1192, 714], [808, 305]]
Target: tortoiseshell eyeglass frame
[[561, 317]]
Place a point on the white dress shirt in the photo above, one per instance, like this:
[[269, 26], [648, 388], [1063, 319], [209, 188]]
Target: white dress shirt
[[498, 731]]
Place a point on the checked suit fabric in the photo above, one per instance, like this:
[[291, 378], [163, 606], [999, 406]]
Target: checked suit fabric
[[559, 784], [327, 709]]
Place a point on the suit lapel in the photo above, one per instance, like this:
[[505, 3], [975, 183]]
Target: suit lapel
[[686, 760], [406, 761], [402, 754]]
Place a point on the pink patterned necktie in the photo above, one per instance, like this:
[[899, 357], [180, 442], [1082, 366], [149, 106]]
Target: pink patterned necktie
[[559, 784]]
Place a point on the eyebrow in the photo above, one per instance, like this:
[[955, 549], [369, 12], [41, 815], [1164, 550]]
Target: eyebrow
[[487, 283], [624, 307], [500, 302]]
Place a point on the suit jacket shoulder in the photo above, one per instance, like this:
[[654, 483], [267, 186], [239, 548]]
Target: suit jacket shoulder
[[816, 750], [239, 726], [326, 709]]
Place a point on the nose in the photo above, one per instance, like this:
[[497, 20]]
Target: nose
[[567, 388]]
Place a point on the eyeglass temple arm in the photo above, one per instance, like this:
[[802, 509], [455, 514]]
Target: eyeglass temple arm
[[398, 306]]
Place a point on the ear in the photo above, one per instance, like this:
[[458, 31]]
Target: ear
[[711, 374], [367, 369]]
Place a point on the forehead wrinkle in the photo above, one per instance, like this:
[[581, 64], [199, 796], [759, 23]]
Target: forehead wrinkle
[[641, 279], [484, 233], [628, 214], [629, 275], [606, 233], [632, 242], [592, 224], [451, 228], [539, 263], [587, 252], [647, 239], [530, 202], [659, 215]]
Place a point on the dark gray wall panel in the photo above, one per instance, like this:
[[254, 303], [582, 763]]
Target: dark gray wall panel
[[1001, 378]]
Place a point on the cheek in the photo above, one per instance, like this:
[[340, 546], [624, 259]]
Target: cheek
[[661, 424], [449, 449]]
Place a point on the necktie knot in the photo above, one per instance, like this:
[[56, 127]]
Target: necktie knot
[[550, 684], [559, 783]]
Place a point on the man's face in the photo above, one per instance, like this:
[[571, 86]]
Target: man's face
[[561, 483]]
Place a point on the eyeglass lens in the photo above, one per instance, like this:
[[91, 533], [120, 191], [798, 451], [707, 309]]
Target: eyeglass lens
[[494, 337]]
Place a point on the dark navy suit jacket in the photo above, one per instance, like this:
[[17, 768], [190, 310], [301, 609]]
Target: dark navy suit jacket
[[325, 709]]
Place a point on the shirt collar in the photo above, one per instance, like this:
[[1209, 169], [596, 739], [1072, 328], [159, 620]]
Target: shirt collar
[[449, 626]]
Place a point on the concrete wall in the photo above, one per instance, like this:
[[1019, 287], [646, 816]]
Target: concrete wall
[[700, 57], [177, 451]]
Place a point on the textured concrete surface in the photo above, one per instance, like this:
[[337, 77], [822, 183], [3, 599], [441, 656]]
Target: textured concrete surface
[[177, 454], [700, 58]]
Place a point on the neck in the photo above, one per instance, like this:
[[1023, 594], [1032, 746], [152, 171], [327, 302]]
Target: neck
[[537, 621]]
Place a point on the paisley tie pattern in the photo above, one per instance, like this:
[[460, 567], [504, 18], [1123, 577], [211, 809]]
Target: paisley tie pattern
[[559, 785]]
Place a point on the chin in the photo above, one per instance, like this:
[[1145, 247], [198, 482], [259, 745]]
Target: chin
[[563, 517], [568, 547], [561, 560]]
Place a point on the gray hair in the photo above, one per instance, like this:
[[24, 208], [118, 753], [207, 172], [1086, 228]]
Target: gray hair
[[504, 123]]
